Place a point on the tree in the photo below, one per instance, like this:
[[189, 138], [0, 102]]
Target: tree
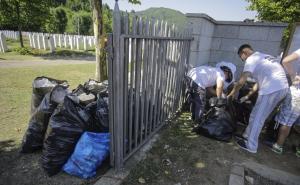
[[82, 23], [78, 5], [24, 15], [57, 21], [277, 10], [101, 69]]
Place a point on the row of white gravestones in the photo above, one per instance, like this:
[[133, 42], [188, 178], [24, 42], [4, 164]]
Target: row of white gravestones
[[3, 46], [74, 42], [10, 34], [39, 41], [52, 41]]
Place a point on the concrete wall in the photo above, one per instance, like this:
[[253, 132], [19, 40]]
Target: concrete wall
[[215, 41]]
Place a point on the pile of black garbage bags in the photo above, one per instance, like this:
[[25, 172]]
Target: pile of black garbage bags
[[222, 115], [59, 117]]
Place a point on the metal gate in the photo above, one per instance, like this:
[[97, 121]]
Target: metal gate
[[146, 65]]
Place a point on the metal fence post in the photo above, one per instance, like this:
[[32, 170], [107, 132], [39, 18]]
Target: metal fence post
[[118, 70]]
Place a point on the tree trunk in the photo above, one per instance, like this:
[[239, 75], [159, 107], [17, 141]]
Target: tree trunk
[[100, 74], [19, 23]]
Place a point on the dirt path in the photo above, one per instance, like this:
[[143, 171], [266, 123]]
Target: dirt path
[[182, 157], [17, 63]]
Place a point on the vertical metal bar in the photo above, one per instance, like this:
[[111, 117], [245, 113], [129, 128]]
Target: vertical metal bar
[[143, 79], [111, 96], [144, 106], [179, 77], [132, 79], [171, 58], [164, 73], [160, 74], [168, 33], [126, 63], [152, 86], [174, 84], [117, 86], [149, 77], [137, 85], [157, 75]]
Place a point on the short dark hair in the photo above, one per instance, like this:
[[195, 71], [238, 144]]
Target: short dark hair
[[228, 70], [243, 47]]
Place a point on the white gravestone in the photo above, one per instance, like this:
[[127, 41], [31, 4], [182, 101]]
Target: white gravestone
[[84, 43], [45, 42], [30, 40], [70, 42], [65, 41], [35, 41], [59, 40], [51, 44], [55, 40], [3, 46]]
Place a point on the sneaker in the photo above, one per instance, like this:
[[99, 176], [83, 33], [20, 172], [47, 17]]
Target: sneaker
[[242, 145], [277, 149], [240, 137], [298, 151]]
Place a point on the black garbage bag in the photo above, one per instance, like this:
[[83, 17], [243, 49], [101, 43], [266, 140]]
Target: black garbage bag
[[96, 87], [67, 123], [218, 122], [41, 86], [99, 111], [38, 123], [243, 110]]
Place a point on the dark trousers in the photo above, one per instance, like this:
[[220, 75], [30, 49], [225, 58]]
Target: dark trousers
[[197, 99]]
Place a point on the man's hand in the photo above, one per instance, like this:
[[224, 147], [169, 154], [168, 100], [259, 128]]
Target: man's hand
[[239, 84], [244, 98], [296, 80], [231, 95]]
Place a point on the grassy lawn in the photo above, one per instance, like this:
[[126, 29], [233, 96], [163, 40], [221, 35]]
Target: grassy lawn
[[15, 90], [37, 55]]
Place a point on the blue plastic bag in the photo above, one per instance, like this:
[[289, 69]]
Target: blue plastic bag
[[90, 151]]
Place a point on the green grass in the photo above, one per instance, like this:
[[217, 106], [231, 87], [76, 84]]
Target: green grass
[[37, 55], [15, 90]]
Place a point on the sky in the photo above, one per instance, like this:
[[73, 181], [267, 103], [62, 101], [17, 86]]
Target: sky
[[223, 10]]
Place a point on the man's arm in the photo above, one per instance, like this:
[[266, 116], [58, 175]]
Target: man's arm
[[290, 58], [219, 88], [239, 84], [287, 62], [251, 92]]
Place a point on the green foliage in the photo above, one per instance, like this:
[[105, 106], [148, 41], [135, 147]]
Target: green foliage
[[107, 17], [78, 5], [166, 14], [82, 23], [57, 21], [24, 14], [277, 10], [23, 51], [135, 1]]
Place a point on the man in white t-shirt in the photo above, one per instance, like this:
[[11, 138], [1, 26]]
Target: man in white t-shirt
[[272, 86], [201, 79], [289, 113]]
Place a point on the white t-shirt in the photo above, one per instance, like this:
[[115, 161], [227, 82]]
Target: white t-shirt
[[297, 63], [206, 76], [267, 72], [296, 68]]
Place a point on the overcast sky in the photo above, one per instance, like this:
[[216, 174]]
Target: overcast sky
[[228, 10]]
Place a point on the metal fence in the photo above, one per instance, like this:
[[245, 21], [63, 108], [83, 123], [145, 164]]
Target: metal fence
[[146, 65]]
